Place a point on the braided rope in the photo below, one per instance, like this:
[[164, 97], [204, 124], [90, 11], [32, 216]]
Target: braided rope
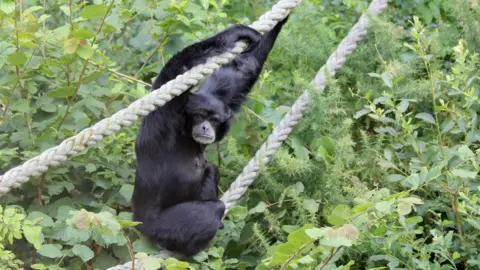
[[281, 132], [90, 136]]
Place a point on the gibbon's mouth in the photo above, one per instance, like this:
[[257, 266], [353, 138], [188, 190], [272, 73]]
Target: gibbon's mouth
[[203, 138]]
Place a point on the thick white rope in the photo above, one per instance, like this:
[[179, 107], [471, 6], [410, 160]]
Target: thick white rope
[[90, 136], [281, 132]]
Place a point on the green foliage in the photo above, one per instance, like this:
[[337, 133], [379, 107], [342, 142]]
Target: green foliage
[[381, 173]]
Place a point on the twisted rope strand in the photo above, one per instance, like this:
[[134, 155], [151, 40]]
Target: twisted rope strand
[[281, 132], [17, 176]]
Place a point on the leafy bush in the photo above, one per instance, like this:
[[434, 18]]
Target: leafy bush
[[381, 173]]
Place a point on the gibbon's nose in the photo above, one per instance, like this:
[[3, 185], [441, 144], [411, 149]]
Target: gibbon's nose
[[205, 128]]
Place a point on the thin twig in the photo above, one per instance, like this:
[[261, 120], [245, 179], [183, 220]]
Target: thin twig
[[67, 111], [332, 254], [7, 105], [44, 4], [458, 221], [112, 99], [293, 256], [121, 74], [39, 189], [23, 92], [160, 44], [70, 19], [82, 73], [130, 249]]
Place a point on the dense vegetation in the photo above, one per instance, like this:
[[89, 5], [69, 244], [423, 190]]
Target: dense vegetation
[[381, 174]]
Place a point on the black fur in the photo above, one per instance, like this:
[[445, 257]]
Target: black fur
[[176, 195]]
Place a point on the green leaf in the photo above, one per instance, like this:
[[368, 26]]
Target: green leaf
[[51, 251], [434, 173], [62, 92], [32, 9], [426, 117], [65, 9], [464, 173], [361, 113], [447, 125], [7, 6], [323, 153], [362, 208], [144, 245], [411, 200], [295, 241], [92, 77], [465, 153], [93, 11], [38, 266], [307, 259], [126, 191], [474, 223], [423, 175], [45, 220], [17, 58], [387, 153], [414, 180], [404, 208], [311, 205], [315, 233], [82, 34], [128, 223], [238, 213], [403, 106], [386, 80], [152, 263], [336, 220], [260, 208], [63, 212], [174, 264], [456, 255], [329, 145], [290, 228], [395, 178], [384, 206], [299, 187], [70, 45], [21, 105], [204, 4], [90, 167], [33, 234], [425, 13], [85, 52], [61, 32], [435, 9], [83, 252], [105, 223], [336, 242], [414, 220]]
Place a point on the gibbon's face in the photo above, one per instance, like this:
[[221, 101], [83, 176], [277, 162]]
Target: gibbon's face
[[206, 114], [205, 127]]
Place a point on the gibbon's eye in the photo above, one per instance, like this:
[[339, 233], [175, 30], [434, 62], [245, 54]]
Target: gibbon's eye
[[215, 119], [197, 118]]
